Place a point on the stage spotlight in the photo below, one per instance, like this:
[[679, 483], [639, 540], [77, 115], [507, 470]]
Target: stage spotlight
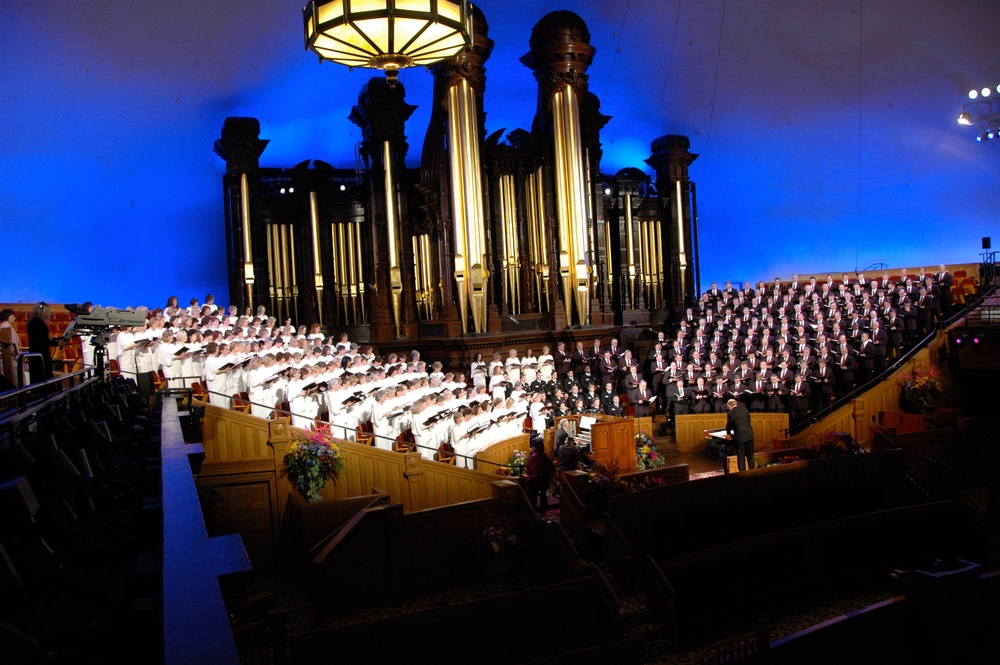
[[998, 89], [973, 94], [975, 340], [979, 138], [990, 135], [985, 92], [965, 118], [343, 188], [282, 190], [958, 341]]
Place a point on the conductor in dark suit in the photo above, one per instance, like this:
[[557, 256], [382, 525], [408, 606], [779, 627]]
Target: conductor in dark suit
[[740, 432]]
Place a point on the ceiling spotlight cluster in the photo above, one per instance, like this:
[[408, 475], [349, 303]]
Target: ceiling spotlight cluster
[[983, 111]]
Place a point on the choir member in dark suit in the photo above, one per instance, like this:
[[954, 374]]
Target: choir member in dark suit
[[775, 394], [823, 382], [701, 396], [798, 398], [677, 399], [944, 282], [719, 395], [563, 360], [644, 399]]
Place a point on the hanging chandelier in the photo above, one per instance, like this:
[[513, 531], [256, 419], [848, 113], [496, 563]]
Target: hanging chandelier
[[387, 34]]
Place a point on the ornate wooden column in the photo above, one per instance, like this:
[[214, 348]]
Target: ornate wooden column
[[381, 113], [241, 148], [671, 158]]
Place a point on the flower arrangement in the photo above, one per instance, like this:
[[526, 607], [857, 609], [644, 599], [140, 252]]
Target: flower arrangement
[[499, 535], [836, 444], [715, 447], [920, 392], [646, 455], [607, 481], [312, 459], [515, 464]]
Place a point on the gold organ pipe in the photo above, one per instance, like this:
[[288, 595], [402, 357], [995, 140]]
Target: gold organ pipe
[[317, 262], [395, 273], [341, 263], [563, 212], [682, 256], [659, 262], [458, 207], [248, 276], [471, 173], [358, 270], [270, 265], [286, 285]]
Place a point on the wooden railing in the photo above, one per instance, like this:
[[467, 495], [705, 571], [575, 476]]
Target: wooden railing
[[243, 462]]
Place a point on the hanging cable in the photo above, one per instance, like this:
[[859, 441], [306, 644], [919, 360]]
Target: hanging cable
[[861, 65], [715, 85], [617, 51], [666, 79]]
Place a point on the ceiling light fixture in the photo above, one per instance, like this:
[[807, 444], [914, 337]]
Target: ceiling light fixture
[[387, 34]]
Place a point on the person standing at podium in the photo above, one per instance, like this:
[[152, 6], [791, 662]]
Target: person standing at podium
[[740, 431]]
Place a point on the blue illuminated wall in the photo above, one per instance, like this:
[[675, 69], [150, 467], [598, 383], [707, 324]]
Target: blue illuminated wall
[[826, 130]]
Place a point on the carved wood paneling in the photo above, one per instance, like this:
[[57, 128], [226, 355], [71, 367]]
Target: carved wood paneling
[[499, 453]]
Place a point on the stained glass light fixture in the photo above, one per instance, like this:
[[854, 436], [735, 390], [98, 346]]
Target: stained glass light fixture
[[387, 34]]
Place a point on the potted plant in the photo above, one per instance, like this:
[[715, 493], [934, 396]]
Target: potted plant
[[920, 393], [313, 459]]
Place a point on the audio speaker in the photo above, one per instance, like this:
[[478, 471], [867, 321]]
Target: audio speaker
[[986, 242]]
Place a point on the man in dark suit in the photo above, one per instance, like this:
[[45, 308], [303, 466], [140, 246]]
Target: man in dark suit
[[944, 283], [739, 430], [643, 399]]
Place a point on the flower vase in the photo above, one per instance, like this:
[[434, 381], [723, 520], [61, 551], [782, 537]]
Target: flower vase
[[499, 568], [311, 489]]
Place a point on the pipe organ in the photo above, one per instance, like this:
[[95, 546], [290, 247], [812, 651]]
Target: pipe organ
[[515, 230]]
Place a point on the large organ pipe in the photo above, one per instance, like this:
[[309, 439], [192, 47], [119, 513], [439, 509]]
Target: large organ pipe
[[317, 264], [248, 276], [392, 231]]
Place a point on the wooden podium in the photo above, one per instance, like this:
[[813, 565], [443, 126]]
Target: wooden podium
[[612, 438]]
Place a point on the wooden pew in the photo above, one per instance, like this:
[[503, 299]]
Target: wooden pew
[[566, 622], [700, 596], [680, 519]]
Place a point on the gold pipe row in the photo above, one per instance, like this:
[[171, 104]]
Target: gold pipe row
[[511, 251]]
